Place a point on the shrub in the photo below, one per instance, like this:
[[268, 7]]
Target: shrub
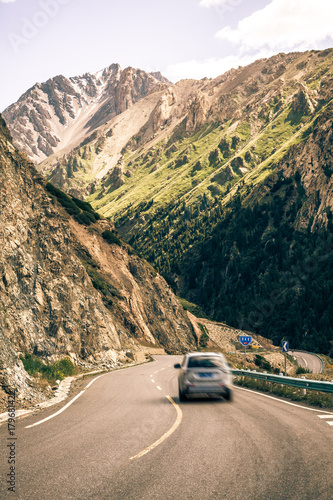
[[111, 238], [63, 199], [102, 284], [83, 218], [214, 155], [313, 397], [300, 370], [262, 363], [52, 371], [81, 210], [192, 308], [204, 338], [86, 207]]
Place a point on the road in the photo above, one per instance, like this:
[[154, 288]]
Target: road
[[308, 361], [123, 439]]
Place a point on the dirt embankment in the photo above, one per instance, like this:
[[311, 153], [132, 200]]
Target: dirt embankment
[[226, 339]]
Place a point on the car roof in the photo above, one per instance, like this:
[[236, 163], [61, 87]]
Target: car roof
[[190, 354]]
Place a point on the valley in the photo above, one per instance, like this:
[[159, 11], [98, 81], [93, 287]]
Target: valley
[[223, 185]]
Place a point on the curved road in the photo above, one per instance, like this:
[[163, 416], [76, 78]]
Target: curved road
[[123, 439], [308, 361]]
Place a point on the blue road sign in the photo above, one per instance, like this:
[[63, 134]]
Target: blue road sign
[[285, 346], [245, 340]]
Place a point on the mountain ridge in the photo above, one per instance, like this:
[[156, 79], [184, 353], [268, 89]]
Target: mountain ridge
[[184, 160]]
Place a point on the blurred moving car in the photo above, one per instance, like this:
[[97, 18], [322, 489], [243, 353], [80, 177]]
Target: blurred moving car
[[204, 372]]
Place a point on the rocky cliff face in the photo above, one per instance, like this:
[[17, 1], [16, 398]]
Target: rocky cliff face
[[53, 277], [52, 115]]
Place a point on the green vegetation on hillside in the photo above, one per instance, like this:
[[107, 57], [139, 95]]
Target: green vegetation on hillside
[[258, 272], [221, 211], [98, 279], [80, 210], [192, 308], [111, 237], [230, 247], [204, 337]]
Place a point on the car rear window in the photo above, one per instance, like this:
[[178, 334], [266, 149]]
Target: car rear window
[[204, 362]]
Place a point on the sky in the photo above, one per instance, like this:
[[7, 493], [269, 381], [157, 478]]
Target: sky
[[40, 39]]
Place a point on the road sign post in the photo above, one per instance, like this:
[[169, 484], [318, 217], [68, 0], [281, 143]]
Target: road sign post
[[245, 340], [285, 349]]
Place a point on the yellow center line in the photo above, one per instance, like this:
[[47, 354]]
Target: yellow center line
[[166, 435]]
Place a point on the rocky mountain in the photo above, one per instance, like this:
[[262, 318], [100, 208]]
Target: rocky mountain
[[57, 114], [189, 169], [68, 285], [234, 203]]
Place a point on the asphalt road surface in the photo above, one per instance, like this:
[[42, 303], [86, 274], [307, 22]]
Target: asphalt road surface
[[308, 361], [127, 436]]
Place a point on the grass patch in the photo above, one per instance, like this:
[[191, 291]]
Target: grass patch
[[311, 397], [51, 371], [244, 131], [101, 283], [193, 308]]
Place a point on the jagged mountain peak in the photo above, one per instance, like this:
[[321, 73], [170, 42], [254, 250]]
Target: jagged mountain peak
[[158, 75], [117, 111], [61, 111]]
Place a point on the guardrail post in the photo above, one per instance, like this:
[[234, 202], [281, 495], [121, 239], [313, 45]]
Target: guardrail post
[[304, 390]]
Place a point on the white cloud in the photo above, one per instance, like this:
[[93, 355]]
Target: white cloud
[[211, 67], [283, 25], [7, 1], [212, 3]]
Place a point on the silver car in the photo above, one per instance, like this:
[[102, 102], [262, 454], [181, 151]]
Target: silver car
[[204, 372]]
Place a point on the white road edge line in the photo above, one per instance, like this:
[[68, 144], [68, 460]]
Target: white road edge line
[[329, 423], [70, 402], [166, 435], [57, 413], [90, 383], [153, 381], [159, 388], [325, 416], [66, 406], [281, 400]]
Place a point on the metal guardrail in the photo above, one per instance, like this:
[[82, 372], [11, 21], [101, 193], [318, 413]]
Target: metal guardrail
[[302, 383]]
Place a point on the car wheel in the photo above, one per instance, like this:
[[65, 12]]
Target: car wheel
[[228, 395], [182, 395]]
